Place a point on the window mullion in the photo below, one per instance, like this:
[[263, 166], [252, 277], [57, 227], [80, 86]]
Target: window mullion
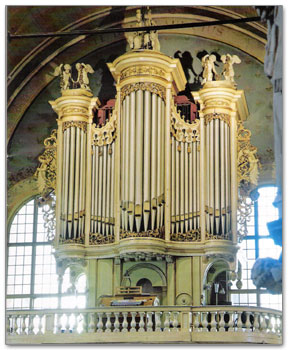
[[35, 222]]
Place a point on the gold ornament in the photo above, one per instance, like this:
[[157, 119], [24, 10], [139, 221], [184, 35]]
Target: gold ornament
[[78, 124], [107, 133], [152, 87]]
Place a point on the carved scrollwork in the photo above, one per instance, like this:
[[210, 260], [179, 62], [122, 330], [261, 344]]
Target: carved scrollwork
[[157, 233], [248, 161], [97, 238], [142, 70], [221, 116], [225, 236], [244, 211], [182, 131], [107, 133], [152, 87], [48, 205], [78, 240], [78, 124], [46, 172], [190, 236]]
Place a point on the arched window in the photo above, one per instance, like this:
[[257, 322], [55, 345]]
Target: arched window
[[32, 281], [258, 244]]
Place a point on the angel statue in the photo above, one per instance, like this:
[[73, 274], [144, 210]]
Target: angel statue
[[65, 75], [209, 68], [228, 70], [82, 79]]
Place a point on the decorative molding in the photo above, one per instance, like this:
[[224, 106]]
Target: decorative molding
[[157, 233], [221, 116], [46, 172], [78, 124], [190, 236], [107, 133], [154, 88], [48, 205], [78, 240]]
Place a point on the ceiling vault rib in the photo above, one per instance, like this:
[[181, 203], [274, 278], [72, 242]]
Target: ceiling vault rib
[[135, 29]]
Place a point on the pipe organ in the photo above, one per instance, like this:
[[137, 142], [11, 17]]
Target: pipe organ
[[146, 172]]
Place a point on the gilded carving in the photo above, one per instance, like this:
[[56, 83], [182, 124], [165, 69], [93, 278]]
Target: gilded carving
[[48, 205], [221, 116], [107, 133], [97, 238], [46, 172], [182, 131], [152, 87], [142, 70], [78, 240], [225, 236], [190, 236], [157, 233], [75, 110], [209, 68], [78, 124], [248, 161], [228, 70]]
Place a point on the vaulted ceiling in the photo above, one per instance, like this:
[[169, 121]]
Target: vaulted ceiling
[[31, 62]]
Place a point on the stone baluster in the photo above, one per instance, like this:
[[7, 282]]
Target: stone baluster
[[263, 324], [248, 325], [221, 321], [213, 322], [8, 325], [13, 325], [204, 321], [116, 323], [49, 323], [67, 324], [75, 323], [271, 324], [167, 322], [100, 323], [22, 328], [158, 321], [108, 325], [196, 323], [133, 322], [256, 322], [91, 327], [239, 322], [84, 323], [150, 322], [59, 324], [278, 325], [40, 324], [31, 325], [141, 322], [175, 321], [125, 322]]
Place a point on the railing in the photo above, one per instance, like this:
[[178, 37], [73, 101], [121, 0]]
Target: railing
[[164, 324]]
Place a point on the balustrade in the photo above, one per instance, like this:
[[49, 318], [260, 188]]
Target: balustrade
[[208, 320]]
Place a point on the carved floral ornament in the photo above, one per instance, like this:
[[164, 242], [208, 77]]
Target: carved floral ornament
[[182, 131], [152, 87], [221, 116], [142, 70], [157, 233], [46, 172], [78, 124], [107, 133], [190, 236]]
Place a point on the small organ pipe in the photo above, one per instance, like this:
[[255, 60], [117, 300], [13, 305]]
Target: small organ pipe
[[217, 179], [63, 211], [100, 191], [198, 183], [96, 190], [159, 127], [177, 188], [126, 169], [71, 183], [77, 170], [131, 150], [222, 175], [194, 185], [182, 198], [93, 189], [207, 177], [211, 182], [153, 161], [147, 159], [104, 193], [108, 190], [162, 168], [228, 192], [173, 214], [112, 188], [138, 153], [186, 187], [190, 148], [84, 180], [122, 175]]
